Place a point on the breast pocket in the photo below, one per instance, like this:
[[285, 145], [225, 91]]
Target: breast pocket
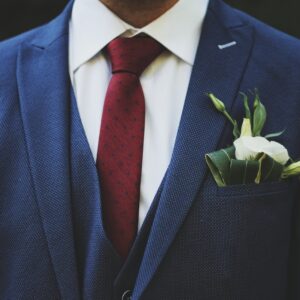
[[252, 191], [265, 212], [248, 230]]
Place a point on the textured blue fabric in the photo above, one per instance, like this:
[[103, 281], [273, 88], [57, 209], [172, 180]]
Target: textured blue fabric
[[97, 262], [240, 242]]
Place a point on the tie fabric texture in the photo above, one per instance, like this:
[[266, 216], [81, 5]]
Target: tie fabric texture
[[120, 151]]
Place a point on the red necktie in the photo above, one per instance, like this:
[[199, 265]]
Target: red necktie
[[120, 149]]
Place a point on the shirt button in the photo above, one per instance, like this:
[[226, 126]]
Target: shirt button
[[126, 295]]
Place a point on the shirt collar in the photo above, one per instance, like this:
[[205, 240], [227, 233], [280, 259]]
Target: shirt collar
[[93, 26]]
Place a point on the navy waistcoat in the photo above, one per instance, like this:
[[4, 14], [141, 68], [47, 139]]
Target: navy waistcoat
[[101, 271]]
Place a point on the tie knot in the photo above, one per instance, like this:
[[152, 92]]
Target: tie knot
[[133, 55]]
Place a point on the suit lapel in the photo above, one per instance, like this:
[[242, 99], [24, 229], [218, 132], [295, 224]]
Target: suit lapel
[[44, 99], [215, 70]]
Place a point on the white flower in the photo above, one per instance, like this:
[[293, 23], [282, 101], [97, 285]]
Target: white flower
[[247, 147]]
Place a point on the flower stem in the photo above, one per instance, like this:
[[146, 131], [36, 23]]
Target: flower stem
[[227, 115]]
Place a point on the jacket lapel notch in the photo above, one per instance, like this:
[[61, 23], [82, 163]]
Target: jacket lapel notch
[[218, 71]]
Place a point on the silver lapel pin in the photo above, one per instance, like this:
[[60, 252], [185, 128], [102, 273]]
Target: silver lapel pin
[[224, 46]]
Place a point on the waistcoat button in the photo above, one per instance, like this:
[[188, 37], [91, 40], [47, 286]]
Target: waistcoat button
[[126, 295]]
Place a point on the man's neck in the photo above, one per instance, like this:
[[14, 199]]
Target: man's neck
[[139, 13]]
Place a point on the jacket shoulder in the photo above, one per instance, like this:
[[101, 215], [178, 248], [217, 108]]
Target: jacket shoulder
[[272, 42]]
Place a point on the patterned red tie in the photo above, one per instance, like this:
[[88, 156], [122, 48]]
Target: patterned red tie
[[120, 151]]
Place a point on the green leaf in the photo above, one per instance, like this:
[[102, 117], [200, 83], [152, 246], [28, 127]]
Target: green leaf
[[243, 171], [236, 131], [259, 157], [246, 106], [274, 135], [219, 164], [291, 170], [259, 116], [271, 170]]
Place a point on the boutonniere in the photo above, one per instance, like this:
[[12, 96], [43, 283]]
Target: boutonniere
[[252, 158]]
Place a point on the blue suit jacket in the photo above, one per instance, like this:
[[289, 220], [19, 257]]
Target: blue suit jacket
[[238, 242]]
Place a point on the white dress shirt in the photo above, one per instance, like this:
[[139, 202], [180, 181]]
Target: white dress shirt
[[164, 82]]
